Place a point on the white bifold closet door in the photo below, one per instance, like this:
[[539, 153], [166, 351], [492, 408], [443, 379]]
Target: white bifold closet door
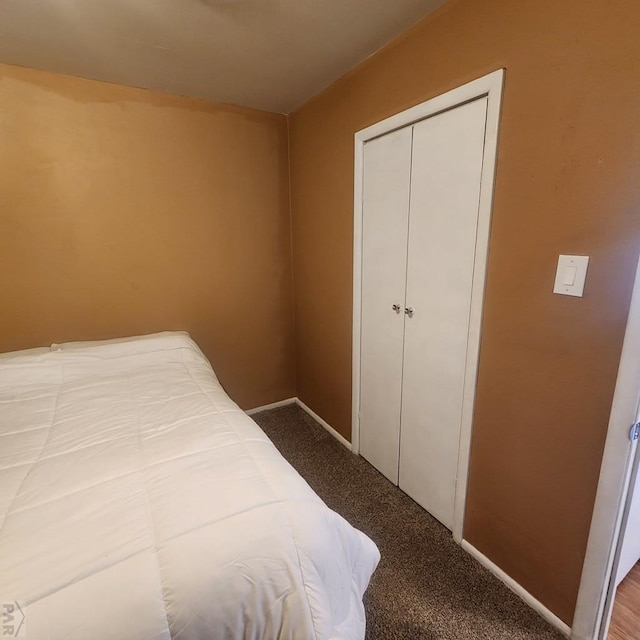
[[387, 171], [413, 364], [445, 191]]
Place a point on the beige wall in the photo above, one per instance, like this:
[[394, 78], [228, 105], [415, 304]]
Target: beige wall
[[123, 211], [568, 167]]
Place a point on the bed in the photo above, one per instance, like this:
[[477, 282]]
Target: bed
[[137, 501]]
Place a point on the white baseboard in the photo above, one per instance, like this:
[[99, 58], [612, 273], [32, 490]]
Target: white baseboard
[[283, 403], [273, 405], [341, 439], [519, 590]]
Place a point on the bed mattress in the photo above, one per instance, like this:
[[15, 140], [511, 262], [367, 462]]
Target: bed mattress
[[137, 501]]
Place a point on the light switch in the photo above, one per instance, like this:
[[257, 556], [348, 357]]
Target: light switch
[[569, 278], [570, 275]]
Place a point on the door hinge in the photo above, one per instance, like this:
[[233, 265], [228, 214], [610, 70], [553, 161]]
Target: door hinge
[[634, 434]]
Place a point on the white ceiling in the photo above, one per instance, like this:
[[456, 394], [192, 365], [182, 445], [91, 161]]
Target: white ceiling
[[266, 54]]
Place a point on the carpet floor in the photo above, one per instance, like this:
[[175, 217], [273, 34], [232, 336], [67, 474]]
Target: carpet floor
[[426, 586]]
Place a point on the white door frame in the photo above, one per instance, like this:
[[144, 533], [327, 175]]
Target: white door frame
[[489, 86], [597, 585]]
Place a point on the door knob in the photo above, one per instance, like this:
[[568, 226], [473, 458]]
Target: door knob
[[409, 311], [396, 308]]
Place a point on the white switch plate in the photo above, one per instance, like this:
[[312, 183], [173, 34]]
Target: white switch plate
[[571, 269]]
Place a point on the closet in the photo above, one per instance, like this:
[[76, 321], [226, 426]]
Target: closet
[[421, 195]]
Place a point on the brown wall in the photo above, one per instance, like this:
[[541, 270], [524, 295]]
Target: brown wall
[[567, 182], [124, 211]]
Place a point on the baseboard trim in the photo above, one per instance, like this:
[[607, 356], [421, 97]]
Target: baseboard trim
[[273, 405], [341, 439], [518, 589], [283, 403]]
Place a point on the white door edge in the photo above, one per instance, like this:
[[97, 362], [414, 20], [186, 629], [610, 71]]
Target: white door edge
[[596, 592], [490, 86]]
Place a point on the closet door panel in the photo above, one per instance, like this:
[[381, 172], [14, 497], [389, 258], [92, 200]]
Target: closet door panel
[[387, 170], [445, 189]]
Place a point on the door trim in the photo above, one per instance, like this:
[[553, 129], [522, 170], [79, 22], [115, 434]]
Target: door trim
[[597, 583], [489, 86]]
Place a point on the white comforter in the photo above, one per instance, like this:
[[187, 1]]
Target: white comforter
[[137, 501]]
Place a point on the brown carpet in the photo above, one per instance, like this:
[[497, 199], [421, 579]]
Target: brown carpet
[[426, 586]]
